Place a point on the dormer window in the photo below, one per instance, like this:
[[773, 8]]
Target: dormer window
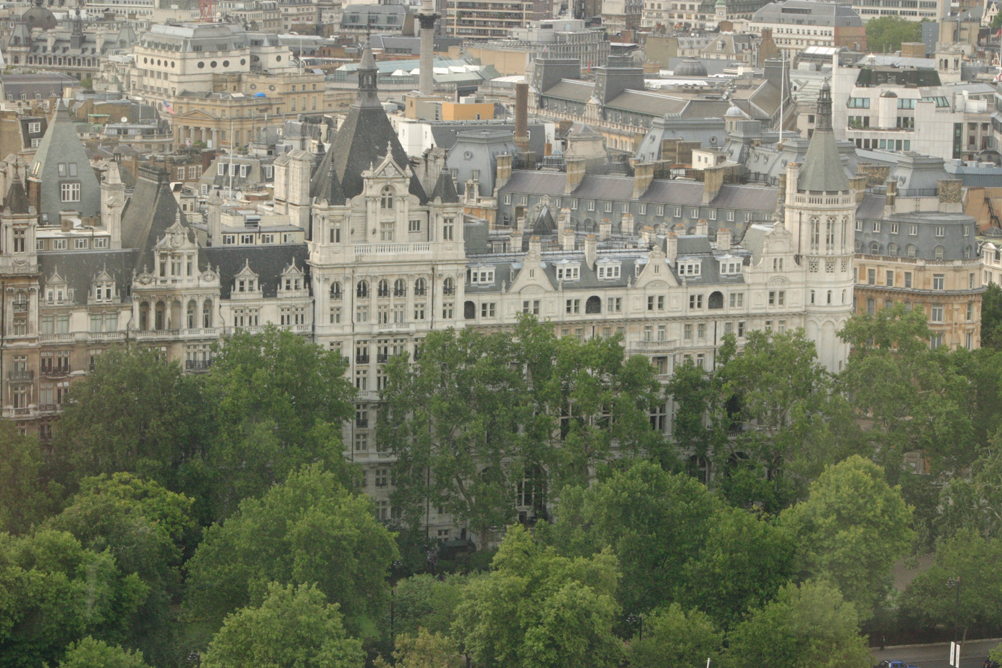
[[690, 268], [568, 273], [608, 271], [730, 267], [482, 276], [386, 198]]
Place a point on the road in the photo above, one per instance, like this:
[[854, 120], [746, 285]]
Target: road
[[937, 656]]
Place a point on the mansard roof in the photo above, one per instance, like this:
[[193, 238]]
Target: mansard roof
[[80, 268], [268, 262]]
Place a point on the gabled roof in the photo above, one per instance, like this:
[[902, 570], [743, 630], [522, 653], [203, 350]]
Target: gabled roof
[[445, 189], [61, 146]]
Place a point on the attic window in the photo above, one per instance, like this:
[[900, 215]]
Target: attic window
[[608, 271], [730, 268], [570, 273], [690, 268], [482, 276]]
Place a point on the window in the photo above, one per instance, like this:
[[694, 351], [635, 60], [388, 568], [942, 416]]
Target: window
[[414, 225], [573, 306], [937, 313], [447, 229], [687, 332], [531, 306], [568, 273], [871, 276], [19, 241], [894, 228], [386, 198], [608, 271], [938, 252], [69, 192], [695, 301], [890, 279], [940, 231], [970, 311], [908, 279], [615, 304], [487, 310], [656, 303], [737, 299], [938, 282]]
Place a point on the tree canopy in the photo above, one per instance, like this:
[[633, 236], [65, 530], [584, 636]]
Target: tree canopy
[[885, 34]]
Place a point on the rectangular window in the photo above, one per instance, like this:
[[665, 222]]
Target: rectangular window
[[487, 310], [69, 192], [890, 279], [908, 279], [573, 306], [871, 276], [938, 282], [937, 313]]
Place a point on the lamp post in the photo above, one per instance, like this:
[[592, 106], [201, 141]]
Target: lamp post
[[638, 621]]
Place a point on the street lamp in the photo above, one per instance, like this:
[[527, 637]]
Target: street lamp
[[638, 621], [955, 584]]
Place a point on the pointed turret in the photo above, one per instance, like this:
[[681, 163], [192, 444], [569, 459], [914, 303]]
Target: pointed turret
[[822, 170], [16, 200]]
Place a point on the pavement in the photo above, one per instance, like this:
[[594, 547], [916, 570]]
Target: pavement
[[972, 654]]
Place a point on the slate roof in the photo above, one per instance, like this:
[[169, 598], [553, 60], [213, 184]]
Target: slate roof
[[872, 207], [16, 200], [822, 169], [79, 268], [363, 138], [61, 145], [647, 103], [148, 213], [268, 262], [567, 89], [445, 189]]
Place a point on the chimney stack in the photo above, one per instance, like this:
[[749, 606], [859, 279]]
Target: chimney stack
[[723, 239], [575, 174], [567, 240], [504, 169], [702, 227], [590, 250], [605, 227], [643, 174], [522, 117], [671, 247]]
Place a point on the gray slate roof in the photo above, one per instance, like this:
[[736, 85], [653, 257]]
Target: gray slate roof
[[62, 146], [268, 262], [148, 213]]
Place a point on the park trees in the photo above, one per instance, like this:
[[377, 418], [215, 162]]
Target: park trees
[[674, 638], [850, 530], [539, 610], [279, 401], [89, 653], [806, 625], [886, 33], [135, 413], [27, 495], [54, 591], [293, 627], [654, 521], [480, 419], [309, 529]]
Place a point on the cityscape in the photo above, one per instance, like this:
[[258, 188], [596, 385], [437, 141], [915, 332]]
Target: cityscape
[[500, 333]]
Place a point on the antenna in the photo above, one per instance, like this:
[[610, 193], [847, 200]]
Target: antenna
[[231, 160], [782, 91]]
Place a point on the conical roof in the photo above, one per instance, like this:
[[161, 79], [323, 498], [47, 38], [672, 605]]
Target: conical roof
[[16, 200], [361, 141], [822, 170], [445, 189]]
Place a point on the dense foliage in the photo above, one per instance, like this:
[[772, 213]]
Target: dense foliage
[[214, 515], [885, 35]]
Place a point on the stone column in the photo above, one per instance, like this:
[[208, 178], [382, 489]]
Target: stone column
[[427, 19], [215, 138]]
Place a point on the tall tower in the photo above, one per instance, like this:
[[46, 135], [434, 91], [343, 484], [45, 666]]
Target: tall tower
[[820, 213], [427, 17]]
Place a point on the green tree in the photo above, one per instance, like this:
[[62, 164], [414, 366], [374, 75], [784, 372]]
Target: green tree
[[135, 413], [744, 562], [700, 423], [991, 300], [307, 530], [90, 653], [851, 530], [539, 610], [975, 503], [798, 423], [425, 650], [655, 521], [279, 404], [294, 627], [809, 625], [976, 562], [673, 638], [886, 34], [451, 418], [143, 526], [996, 24], [425, 601], [915, 398], [26, 495], [53, 592]]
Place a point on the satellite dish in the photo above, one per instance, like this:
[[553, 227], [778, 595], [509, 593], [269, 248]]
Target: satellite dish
[[125, 119]]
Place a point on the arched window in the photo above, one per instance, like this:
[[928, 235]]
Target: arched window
[[830, 233], [192, 314], [160, 316], [910, 250], [386, 198], [829, 296], [967, 252], [892, 250], [383, 289], [420, 287], [20, 302], [207, 313], [336, 291], [812, 296], [362, 289], [469, 310], [815, 232], [593, 305], [144, 316], [874, 248], [716, 300], [843, 296], [939, 252], [400, 288], [448, 287]]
